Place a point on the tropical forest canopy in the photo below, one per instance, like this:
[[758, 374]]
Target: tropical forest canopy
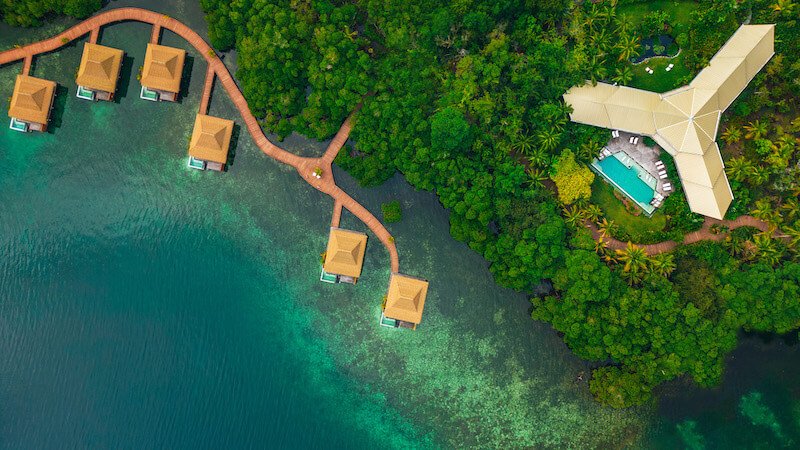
[[464, 99]]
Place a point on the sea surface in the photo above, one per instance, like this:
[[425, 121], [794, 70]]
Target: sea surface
[[147, 305]]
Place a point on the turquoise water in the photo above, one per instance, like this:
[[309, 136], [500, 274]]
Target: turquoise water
[[627, 179], [144, 304]]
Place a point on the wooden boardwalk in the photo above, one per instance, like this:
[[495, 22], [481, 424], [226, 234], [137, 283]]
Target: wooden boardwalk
[[26, 65], [304, 166], [336, 217], [703, 234], [155, 35], [93, 35], [209, 84]]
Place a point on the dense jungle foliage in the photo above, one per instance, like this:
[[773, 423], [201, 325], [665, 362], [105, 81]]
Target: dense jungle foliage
[[464, 99]]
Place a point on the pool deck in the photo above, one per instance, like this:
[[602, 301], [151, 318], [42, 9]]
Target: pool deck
[[643, 155]]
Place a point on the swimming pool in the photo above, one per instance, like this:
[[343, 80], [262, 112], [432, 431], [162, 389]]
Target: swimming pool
[[627, 178]]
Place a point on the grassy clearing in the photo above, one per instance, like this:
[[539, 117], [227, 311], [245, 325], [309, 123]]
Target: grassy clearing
[[661, 80], [679, 15], [638, 229]]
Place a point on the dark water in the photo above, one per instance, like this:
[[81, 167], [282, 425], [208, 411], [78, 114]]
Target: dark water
[[144, 305]]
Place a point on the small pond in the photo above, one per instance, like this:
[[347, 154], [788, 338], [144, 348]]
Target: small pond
[[661, 45]]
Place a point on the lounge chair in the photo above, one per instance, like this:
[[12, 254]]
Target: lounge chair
[[663, 176], [606, 151], [635, 140], [630, 140]]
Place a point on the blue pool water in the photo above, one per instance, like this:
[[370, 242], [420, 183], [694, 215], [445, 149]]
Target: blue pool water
[[626, 179]]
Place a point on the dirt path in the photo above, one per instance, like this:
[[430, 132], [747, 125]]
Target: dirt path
[[304, 166], [703, 234]]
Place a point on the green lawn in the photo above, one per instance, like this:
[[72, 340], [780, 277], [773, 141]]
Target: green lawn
[[660, 81], [679, 15], [639, 229]]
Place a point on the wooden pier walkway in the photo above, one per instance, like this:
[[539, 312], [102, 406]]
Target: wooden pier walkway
[[304, 166], [155, 35], [209, 84], [93, 35], [26, 65], [336, 217]]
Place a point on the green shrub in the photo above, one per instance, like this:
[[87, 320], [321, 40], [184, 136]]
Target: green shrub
[[392, 211]]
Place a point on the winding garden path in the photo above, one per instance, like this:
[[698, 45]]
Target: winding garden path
[[304, 166], [703, 234]]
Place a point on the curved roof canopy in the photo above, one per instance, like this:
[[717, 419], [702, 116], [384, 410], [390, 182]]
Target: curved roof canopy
[[99, 67], [685, 121]]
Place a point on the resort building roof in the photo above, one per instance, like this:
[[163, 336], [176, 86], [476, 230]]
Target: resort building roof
[[211, 138], [100, 66], [345, 253], [406, 298], [32, 99], [163, 67], [685, 121]]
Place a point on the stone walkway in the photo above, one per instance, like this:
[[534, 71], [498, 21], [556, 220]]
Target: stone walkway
[[304, 166]]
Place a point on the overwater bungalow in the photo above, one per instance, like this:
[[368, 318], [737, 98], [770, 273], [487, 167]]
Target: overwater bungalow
[[210, 142], [344, 257], [99, 72], [404, 302], [161, 74], [31, 103]]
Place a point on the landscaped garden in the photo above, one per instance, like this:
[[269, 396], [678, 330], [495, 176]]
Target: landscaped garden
[[629, 223]]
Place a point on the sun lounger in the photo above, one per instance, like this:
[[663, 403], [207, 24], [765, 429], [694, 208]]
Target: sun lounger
[[663, 176], [601, 157], [635, 140], [667, 188], [606, 151], [630, 141]]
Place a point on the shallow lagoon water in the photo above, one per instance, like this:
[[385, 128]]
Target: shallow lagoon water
[[143, 304]]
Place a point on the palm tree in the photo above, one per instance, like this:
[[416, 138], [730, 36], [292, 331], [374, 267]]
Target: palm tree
[[600, 39], [662, 264], [623, 75], [606, 227], [593, 213], [634, 262], [783, 7], [731, 134], [758, 175], [767, 249], [628, 47], [522, 143], [538, 157], [549, 138], [756, 130], [536, 178], [734, 245], [763, 210], [573, 216], [739, 168], [793, 235], [791, 208]]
